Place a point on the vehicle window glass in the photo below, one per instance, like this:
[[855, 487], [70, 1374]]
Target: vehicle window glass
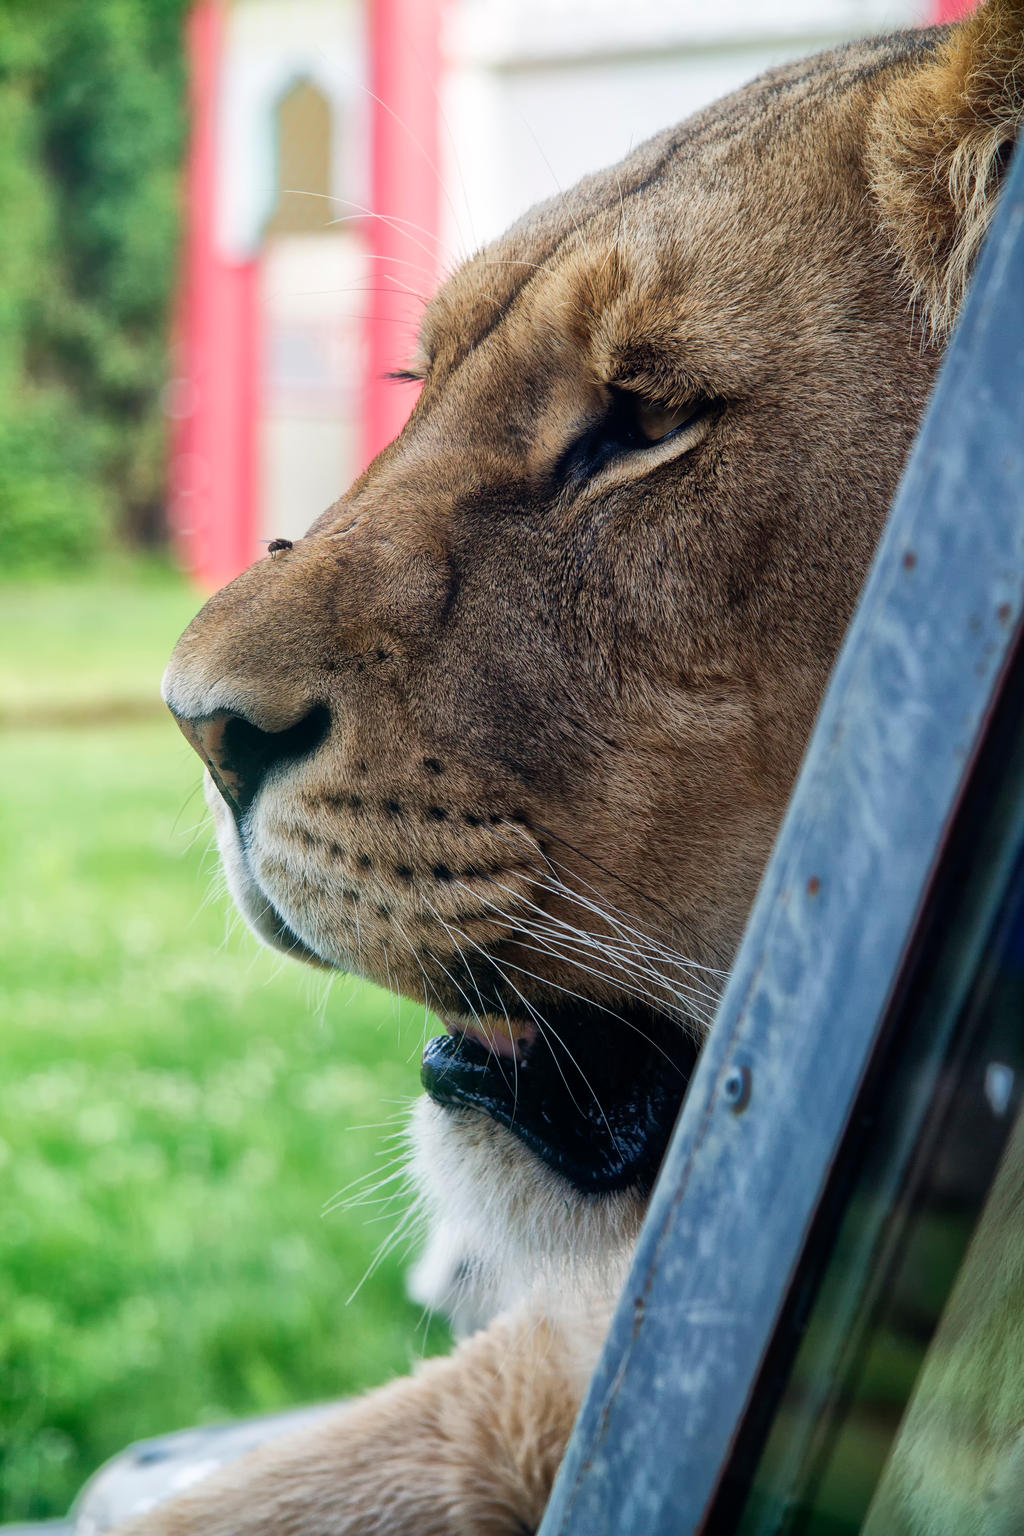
[[957, 1464], [903, 1412]]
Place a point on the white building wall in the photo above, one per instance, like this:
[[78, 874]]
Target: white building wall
[[312, 285], [540, 92], [312, 373]]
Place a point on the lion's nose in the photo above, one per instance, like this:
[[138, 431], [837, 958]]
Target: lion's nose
[[241, 756]]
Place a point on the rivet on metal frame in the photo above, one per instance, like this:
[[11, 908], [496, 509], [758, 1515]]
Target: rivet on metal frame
[[736, 1087]]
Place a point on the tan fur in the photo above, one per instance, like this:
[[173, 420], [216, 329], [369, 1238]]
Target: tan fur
[[937, 151], [468, 1446], [565, 712]]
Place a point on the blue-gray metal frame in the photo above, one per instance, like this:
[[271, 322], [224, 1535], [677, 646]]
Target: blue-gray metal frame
[[777, 1079]]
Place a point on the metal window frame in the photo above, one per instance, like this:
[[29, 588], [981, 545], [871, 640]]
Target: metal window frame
[[804, 1008]]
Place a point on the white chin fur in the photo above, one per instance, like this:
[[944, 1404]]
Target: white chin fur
[[245, 893], [502, 1224]]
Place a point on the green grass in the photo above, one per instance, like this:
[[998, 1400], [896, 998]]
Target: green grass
[[102, 640], [176, 1105]]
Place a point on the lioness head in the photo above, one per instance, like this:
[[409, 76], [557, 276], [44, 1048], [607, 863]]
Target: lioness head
[[512, 728]]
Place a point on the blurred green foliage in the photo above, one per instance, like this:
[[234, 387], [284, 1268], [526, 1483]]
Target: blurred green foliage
[[178, 1106], [92, 129]]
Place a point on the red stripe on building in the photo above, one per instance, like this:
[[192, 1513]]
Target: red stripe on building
[[950, 10], [403, 236], [215, 398]]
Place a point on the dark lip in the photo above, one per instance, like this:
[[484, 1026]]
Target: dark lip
[[600, 1115]]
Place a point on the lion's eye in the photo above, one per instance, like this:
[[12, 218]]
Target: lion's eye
[[631, 424], [656, 422]]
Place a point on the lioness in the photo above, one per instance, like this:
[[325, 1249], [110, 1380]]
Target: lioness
[[512, 729]]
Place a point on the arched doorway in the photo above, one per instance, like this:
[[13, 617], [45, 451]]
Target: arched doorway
[[312, 277]]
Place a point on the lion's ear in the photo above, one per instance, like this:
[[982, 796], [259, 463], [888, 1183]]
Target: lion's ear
[[938, 144]]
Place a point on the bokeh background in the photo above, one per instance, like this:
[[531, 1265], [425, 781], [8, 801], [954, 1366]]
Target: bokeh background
[[218, 224]]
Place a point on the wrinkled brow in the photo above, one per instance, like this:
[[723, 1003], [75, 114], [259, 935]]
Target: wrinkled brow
[[473, 302]]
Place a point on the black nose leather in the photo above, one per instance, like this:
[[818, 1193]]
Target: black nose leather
[[240, 756]]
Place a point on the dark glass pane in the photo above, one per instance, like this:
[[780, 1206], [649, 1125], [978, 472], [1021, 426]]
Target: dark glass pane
[[893, 1403]]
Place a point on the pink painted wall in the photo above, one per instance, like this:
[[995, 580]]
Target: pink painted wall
[[950, 10], [403, 234], [215, 404], [215, 401]]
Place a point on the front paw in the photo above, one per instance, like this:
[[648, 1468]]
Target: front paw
[[151, 1473], [468, 1446]]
